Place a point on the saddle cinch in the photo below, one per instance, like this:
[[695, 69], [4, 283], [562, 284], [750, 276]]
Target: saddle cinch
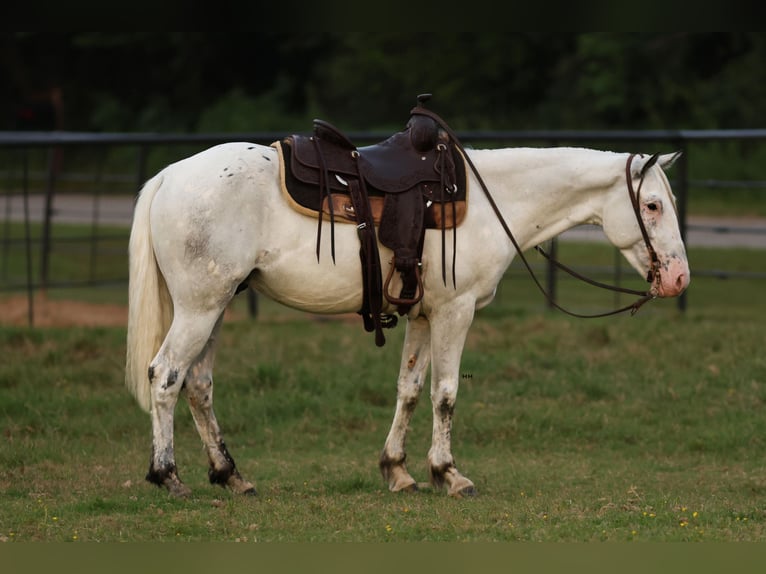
[[413, 181]]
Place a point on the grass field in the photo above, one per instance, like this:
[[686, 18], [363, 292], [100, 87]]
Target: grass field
[[645, 428]]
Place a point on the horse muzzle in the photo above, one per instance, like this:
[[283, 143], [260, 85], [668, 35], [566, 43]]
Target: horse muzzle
[[673, 279]]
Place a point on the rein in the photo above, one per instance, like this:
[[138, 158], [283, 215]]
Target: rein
[[654, 272]]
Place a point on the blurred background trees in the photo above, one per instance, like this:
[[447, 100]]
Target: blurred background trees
[[274, 81]]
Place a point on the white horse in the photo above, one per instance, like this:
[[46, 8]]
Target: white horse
[[216, 221]]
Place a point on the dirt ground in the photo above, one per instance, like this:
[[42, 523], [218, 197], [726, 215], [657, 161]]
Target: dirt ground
[[48, 313], [65, 313]]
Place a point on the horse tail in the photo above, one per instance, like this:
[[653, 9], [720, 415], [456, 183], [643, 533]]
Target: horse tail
[[150, 308]]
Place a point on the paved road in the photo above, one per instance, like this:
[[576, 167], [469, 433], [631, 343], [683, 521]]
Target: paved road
[[701, 232]]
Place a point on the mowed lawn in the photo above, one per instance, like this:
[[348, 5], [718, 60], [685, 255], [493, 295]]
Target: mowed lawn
[[644, 428]]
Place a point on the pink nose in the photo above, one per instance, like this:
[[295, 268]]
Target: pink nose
[[675, 279]]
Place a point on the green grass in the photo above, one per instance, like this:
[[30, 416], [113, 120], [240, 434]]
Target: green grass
[[645, 428]]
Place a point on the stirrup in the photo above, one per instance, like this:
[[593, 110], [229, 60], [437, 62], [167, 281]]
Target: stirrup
[[398, 301]]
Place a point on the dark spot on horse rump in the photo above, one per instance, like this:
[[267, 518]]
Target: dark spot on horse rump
[[267, 158], [151, 374], [195, 245], [231, 174]]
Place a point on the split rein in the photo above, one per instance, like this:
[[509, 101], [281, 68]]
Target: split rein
[[653, 276]]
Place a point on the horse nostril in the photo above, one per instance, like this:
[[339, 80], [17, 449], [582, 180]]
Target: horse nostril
[[681, 281]]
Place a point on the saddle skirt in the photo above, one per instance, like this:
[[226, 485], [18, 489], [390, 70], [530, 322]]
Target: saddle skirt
[[299, 181]]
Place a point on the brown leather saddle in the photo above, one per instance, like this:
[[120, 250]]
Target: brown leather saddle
[[412, 181]]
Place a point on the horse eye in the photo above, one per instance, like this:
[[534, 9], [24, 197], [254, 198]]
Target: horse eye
[[652, 206]]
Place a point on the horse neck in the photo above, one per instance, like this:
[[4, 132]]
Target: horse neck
[[544, 192]]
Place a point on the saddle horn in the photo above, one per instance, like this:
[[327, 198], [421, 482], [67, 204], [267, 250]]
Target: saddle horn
[[424, 131]]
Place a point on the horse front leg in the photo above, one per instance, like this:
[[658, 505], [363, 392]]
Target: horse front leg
[[416, 356], [199, 394], [449, 327]]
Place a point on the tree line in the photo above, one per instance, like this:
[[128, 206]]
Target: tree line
[[276, 81]]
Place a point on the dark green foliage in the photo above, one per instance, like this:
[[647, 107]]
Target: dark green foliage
[[224, 81]]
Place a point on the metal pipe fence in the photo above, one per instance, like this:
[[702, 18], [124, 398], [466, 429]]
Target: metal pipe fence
[[96, 177]]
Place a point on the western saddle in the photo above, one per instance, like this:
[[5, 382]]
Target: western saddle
[[412, 181]]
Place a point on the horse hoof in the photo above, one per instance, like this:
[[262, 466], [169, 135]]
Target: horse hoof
[[406, 487], [236, 484], [466, 492]]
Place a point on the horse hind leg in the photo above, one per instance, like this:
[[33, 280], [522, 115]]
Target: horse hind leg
[[188, 336], [199, 394], [415, 359]]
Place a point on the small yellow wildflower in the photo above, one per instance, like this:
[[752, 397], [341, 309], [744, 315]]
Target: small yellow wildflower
[[683, 523], [695, 514]]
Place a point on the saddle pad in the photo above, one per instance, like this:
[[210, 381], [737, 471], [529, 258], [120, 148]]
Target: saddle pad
[[304, 198]]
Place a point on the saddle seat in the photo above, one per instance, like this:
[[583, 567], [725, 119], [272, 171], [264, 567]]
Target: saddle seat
[[411, 181]]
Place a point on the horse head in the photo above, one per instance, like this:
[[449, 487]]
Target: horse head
[[641, 219]]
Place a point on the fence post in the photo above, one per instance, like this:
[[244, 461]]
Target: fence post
[[550, 274], [252, 303], [28, 243], [45, 241]]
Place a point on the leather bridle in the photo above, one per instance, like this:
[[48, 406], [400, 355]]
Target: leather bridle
[[653, 276], [654, 268]]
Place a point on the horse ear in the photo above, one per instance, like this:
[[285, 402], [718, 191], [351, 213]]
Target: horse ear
[[667, 160], [641, 163]]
